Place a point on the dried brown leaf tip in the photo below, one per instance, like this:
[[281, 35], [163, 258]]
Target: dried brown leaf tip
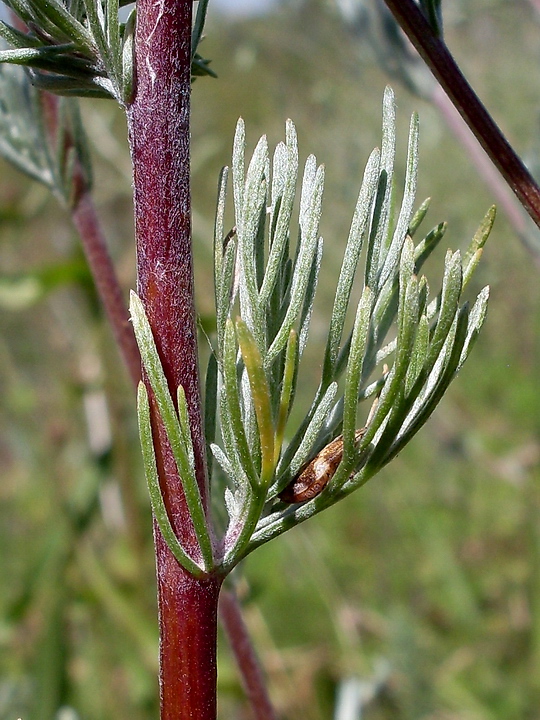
[[316, 475]]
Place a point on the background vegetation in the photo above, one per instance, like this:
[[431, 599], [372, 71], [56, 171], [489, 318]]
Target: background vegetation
[[424, 585]]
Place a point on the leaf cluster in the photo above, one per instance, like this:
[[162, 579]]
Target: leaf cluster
[[42, 136], [80, 47], [404, 348], [75, 49]]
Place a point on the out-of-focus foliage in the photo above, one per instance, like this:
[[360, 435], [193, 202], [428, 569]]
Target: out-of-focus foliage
[[422, 589]]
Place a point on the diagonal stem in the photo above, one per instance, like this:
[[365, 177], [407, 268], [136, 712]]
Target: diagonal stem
[[86, 221], [252, 676], [441, 63], [84, 217]]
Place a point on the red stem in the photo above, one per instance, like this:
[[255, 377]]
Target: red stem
[[83, 215], [158, 122], [188, 639], [251, 673], [443, 66]]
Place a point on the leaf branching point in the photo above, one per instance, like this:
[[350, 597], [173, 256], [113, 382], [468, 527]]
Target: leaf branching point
[[398, 347]]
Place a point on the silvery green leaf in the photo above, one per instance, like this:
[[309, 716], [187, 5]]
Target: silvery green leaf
[[308, 181], [224, 462], [426, 246], [210, 407], [405, 213], [474, 251], [302, 266], [379, 231], [96, 87], [309, 298], [219, 226], [279, 178], [441, 376], [419, 354], [254, 203], [427, 355], [198, 26], [60, 19], [418, 217], [260, 396], [128, 58], [423, 296], [448, 302], [233, 417], [174, 425], [156, 498], [16, 38], [283, 190], [354, 368], [477, 317], [238, 178], [22, 133], [350, 260]]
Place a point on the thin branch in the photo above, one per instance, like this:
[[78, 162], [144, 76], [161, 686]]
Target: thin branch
[[85, 219], [87, 223], [444, 67], [251, 673]]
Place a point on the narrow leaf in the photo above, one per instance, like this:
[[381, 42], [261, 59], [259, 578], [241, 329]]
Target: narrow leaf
[[128, 58], [57, 14], [309, 298], [239, 150], [283, 186], [449, 298], [210, 407], [426, 246], [156, 498], [254, 199], [477, 317], [381, 217], [233, 417], [418, 217], [302, 267], [198, 27], [349, 265], [411, 178], [419, 354], [261, 398], [474, 251], [287, 391], [172, 425], [354, 371]]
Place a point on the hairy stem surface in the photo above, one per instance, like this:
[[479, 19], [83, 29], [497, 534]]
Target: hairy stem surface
[[158, 121]]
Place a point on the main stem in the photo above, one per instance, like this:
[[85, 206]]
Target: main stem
[[158, 121]]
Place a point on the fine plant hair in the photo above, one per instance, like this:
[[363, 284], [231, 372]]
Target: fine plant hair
[[233, 471]]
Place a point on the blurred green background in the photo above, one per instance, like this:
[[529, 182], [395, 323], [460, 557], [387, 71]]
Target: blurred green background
[[422, 590]]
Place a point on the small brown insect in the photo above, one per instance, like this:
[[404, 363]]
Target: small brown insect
[[316, 475]]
